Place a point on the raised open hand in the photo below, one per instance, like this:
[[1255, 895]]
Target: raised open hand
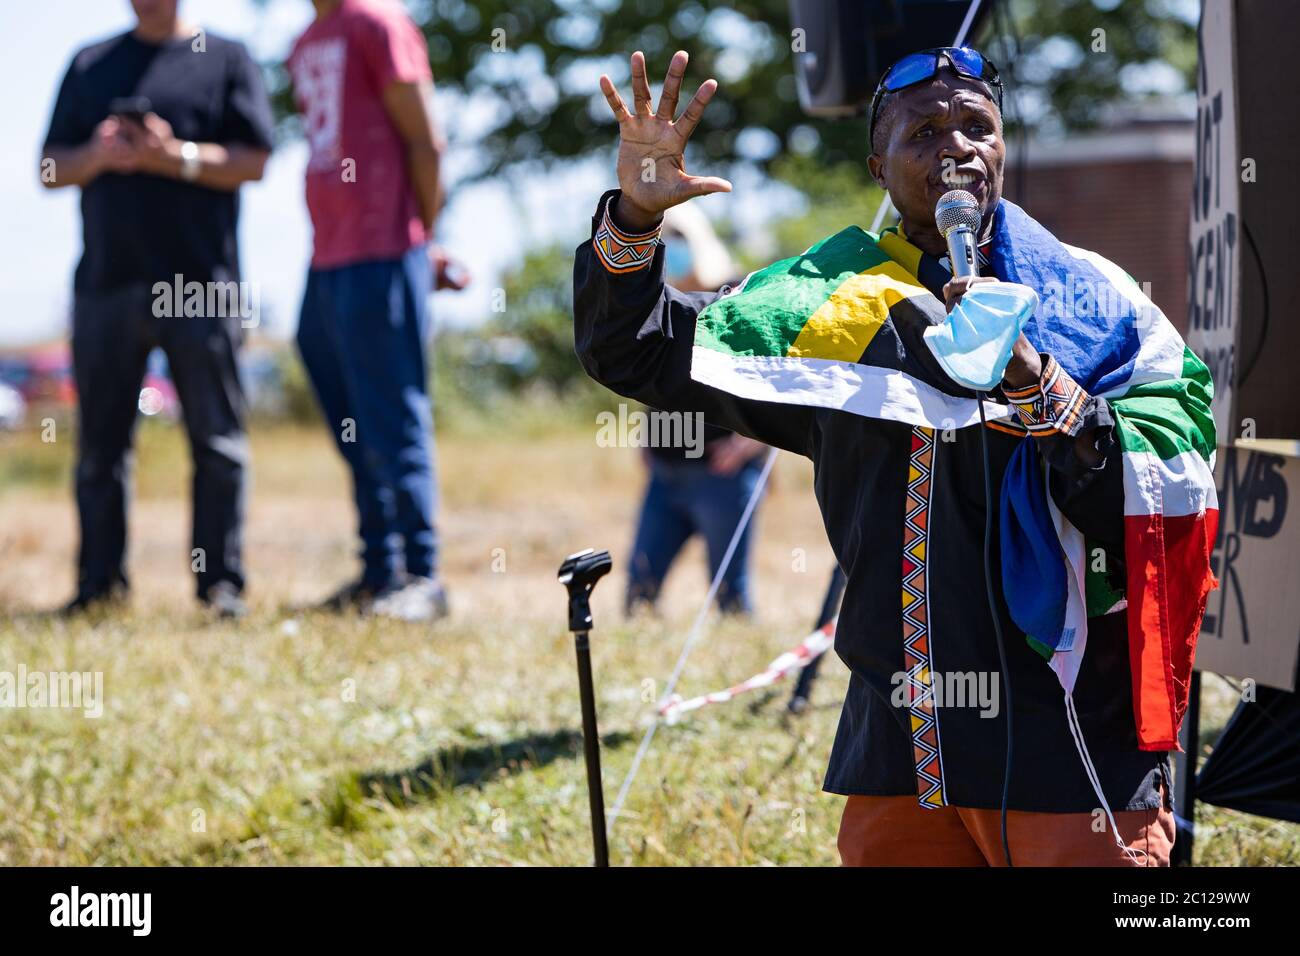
[[651, 170]]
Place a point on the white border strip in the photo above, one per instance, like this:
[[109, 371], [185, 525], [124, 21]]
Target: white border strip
[[866, 390], [1185, 484]]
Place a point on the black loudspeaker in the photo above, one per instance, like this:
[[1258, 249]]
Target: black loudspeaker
[[842, 46]]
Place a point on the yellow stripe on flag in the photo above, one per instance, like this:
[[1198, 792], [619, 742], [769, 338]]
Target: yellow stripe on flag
[[849, 319], [896, 246]]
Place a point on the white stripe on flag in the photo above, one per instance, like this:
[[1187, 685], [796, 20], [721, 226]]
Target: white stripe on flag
[[1074, 640], [846, 386], [1185, 484]]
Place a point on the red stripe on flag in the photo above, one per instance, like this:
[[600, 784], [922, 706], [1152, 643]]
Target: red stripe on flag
[[1169, 580]]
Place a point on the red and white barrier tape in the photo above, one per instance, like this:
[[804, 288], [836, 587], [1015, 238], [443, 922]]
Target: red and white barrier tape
[[812, 646]]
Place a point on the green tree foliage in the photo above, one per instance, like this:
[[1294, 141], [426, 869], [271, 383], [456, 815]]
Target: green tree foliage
[[1077, 56], [837, 196], [523, 77], [525, 70], [538, 312], [524, 347]]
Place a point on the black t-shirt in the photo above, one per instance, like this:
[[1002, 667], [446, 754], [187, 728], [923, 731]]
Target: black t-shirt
[[140, 228]]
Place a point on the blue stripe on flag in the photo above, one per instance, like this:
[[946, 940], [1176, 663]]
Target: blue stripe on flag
[[1082, 319]]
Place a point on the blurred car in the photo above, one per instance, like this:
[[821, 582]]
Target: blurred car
[[43, 377], [13, 408]]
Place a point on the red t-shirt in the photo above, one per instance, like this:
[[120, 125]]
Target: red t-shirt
[[361, 200]]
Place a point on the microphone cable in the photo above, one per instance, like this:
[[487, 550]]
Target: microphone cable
[[993, 610]]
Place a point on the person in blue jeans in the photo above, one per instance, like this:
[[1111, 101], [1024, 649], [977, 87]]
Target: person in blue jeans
[[694, 491], [362, 337], [688, 496], [362, 82]]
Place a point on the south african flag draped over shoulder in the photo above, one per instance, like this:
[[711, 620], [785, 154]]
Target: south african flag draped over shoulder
[[840, 327]]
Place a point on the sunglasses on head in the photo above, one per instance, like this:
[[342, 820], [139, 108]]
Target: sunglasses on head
[[919, 67]]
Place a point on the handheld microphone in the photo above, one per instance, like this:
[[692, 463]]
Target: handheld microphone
[[957, 214]]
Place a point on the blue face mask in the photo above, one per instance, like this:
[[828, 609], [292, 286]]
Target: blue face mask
[[974, 344], [677, 259]]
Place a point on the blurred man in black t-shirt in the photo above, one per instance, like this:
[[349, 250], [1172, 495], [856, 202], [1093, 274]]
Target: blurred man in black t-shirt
[[159, 127]]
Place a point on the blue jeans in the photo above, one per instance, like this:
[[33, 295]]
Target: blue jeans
[[362, 336], [685, 498]]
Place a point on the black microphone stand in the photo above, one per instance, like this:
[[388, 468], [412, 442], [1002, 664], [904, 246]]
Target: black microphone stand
[[579, 573]]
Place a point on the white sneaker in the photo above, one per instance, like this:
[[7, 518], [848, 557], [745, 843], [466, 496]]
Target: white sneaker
[[417, 599]]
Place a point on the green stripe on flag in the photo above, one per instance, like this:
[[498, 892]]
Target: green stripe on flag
[[1195, 369], [766, 316], [1169, 417]]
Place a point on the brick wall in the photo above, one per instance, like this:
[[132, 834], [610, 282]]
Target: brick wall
[[1104, 195]]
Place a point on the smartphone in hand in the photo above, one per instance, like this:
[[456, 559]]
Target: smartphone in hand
[[133, 108]]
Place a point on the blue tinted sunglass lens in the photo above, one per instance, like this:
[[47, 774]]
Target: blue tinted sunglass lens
[[910, 69], [968, 61]]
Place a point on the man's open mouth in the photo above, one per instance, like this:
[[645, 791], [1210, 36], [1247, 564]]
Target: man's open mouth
[[961, 180]]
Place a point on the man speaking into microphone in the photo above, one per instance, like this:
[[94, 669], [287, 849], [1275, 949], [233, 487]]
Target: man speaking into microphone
[[1012, 466]]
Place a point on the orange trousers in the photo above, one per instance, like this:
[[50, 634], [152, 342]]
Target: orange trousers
[[897, 831]]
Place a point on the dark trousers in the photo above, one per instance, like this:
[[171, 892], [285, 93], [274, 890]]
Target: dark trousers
[[685, 498], [362, 337], [112, 335]]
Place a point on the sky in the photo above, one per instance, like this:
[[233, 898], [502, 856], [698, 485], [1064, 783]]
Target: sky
[[487, 226]]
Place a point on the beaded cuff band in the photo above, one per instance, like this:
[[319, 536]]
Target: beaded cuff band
[[619, 251], [1051, 406]]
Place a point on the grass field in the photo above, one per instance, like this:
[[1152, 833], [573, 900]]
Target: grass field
[[301, 738]]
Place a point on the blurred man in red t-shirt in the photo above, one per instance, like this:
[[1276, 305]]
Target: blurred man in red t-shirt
[[362, 81]]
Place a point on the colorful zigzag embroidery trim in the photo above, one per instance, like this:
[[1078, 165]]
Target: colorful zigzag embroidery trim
[[1051, 406], [619, 251]]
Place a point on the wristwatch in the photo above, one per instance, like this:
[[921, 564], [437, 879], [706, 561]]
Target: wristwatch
[[190, 165]]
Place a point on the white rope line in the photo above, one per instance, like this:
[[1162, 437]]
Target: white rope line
[[696, 629], [878, 221], [966, 23], [797, 658]]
